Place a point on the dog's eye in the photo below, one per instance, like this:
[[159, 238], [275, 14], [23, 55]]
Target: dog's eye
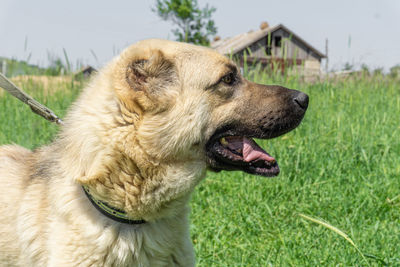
[[228, 79]]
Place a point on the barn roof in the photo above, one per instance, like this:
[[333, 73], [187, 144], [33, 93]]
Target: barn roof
[[235, 44]]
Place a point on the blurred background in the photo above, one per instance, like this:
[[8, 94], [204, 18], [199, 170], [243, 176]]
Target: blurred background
[[336, 201], [92, 32]]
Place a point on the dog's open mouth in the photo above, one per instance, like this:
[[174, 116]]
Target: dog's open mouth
[[241, 153]]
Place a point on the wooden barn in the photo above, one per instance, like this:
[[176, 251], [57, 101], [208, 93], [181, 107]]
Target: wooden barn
[[274, 47]]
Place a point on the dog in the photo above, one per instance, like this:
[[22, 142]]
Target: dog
[[113, 188]]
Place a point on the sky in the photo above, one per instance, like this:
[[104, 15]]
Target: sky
[[93, 32]]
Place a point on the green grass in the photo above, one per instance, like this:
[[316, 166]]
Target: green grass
[[18, 124], [341, 166]]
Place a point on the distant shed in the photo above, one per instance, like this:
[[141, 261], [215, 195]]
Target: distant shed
[[85, 72], [271, 46]]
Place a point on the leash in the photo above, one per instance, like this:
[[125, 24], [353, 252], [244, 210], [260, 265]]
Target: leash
[[35, 106]]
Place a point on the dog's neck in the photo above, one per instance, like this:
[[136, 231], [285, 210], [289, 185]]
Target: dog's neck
[[146, 192], [124, 184], [110, 160], [137, 184]]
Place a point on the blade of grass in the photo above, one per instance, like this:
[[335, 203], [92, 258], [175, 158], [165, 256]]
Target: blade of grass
[[94, 56], [67, 60], [336, 230]]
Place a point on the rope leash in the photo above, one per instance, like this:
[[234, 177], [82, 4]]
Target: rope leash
[[35, 106]]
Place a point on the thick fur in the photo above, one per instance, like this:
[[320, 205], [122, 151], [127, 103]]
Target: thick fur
[[136, 137]]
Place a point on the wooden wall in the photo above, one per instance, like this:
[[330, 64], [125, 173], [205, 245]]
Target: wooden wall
[[290, 48]]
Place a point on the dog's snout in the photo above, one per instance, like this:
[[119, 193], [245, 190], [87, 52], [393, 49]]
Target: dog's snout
[[301, 99]]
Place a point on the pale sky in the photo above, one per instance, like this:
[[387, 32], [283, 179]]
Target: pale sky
[[106, 27]]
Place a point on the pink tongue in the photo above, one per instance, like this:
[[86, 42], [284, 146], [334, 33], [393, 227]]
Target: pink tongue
[[251, 151]]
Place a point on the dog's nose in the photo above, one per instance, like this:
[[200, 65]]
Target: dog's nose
[[301, 99]]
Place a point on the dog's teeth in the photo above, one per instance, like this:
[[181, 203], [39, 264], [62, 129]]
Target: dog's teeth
[[223, 141]]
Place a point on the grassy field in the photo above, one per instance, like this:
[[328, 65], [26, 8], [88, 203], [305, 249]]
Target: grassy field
[[341, 166]]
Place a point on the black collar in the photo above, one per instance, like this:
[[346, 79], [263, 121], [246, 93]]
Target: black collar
[[111, 212]]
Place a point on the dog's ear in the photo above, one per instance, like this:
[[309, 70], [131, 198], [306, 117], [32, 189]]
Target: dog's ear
[[151, 75], [146, 78]]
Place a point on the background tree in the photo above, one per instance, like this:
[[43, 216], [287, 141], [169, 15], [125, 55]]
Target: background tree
[[194, 25]]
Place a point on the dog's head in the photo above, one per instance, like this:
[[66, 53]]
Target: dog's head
[[191, 103]]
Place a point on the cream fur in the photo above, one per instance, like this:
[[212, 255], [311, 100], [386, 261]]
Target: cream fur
[[137, 138], [139, 149]]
